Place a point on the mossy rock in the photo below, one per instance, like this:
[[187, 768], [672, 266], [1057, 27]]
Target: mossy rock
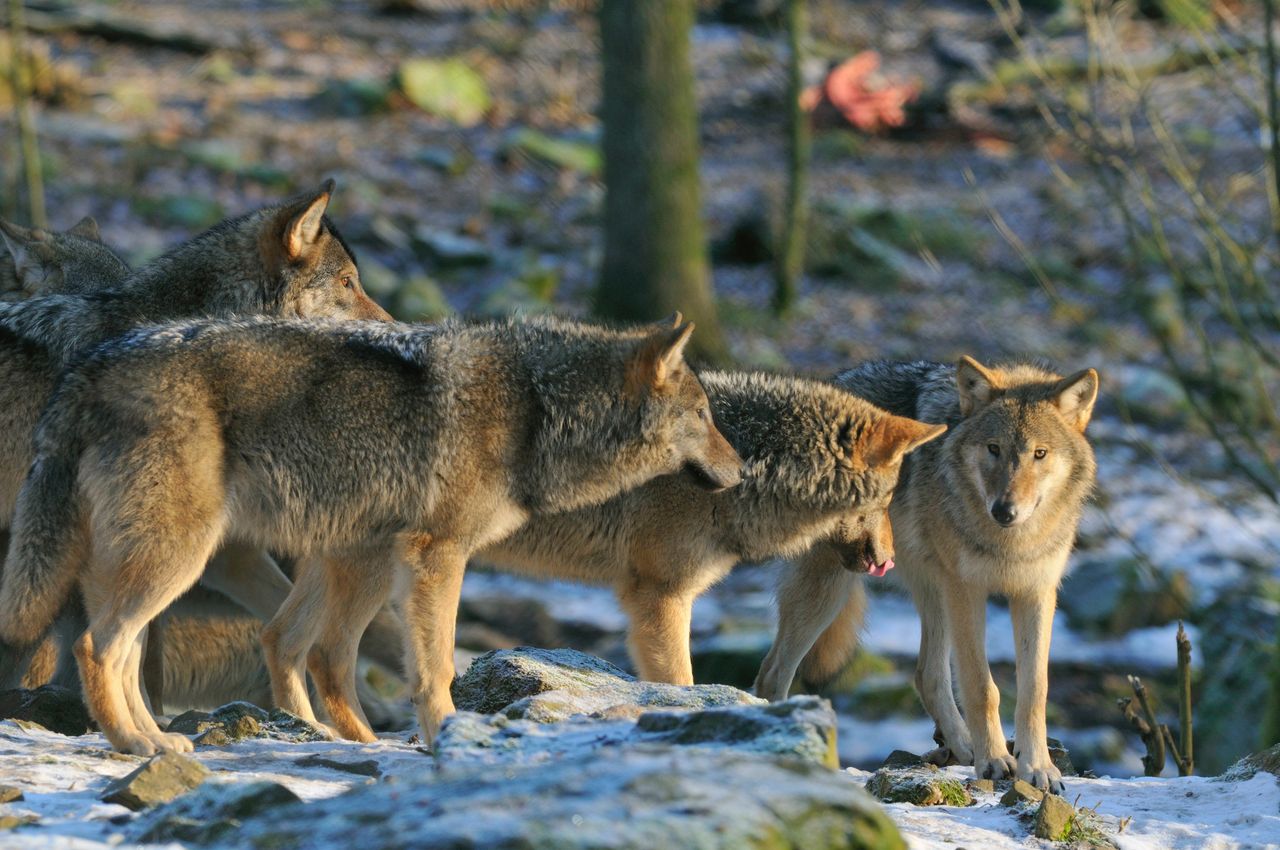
[[925, 785]]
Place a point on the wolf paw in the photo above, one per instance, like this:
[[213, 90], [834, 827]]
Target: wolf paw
[[1043, 775], [171, 742], [134, 744], [995, 767]]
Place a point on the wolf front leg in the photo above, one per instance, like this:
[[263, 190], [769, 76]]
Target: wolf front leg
[[933, 675], [966, 609], [658, 633], [1032, 627], [434, 571]]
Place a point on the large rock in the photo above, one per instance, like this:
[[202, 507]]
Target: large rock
[[801, 727], [925, 785], [548, 685], [211, 811], [55, 708], [1266, 761], [159, 780], [638, 798], [1054, 818]]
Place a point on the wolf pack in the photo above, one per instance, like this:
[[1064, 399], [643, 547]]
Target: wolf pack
[[238, 426]]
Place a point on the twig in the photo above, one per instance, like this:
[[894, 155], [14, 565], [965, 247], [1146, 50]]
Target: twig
[[1146, 726], [1273, 108], [789, 266], [1186, 761]]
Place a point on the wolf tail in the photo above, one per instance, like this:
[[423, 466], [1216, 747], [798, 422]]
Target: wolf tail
[[834, 648], [49, 536]]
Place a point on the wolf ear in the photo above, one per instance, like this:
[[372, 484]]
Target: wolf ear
[[1076, 396], [977, 384], [891, 437], [21, 241], [86, 228], [302, 222], [662, 353]]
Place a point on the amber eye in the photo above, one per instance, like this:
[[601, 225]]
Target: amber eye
[[1040, 453], [348, 281], [994, 449]]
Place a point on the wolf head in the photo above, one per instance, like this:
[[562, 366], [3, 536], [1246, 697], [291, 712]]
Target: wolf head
[[864, 538], [623, 407], [43, 262], [1021, 445]]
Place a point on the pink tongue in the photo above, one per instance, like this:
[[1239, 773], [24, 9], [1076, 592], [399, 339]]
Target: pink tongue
[[879, 571]]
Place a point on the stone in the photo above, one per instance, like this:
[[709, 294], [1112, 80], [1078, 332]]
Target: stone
[[225, 725], [10, 794], [451, 250], [547, 685], [902, 758], [921, 786], [1054, 818], [1020, 792], [211, 811], [801, 727], [1265, 761], [367, 767], [644, 797], [286, 726], [985, 785], [448, 88], [55, 708], [190, 723], [214, 736], [15, 821], [159, 780]]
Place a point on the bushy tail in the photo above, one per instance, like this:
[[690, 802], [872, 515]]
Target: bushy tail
[[834, 648], [60, 323], [48, 543]]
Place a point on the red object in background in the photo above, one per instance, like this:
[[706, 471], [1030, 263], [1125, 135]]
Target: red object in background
[[866, 102]]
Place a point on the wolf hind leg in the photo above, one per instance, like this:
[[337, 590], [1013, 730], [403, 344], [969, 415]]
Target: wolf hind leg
[[434, 572], [658, 633], [139, 708], [355, 588], [813, 593], [289, 636]]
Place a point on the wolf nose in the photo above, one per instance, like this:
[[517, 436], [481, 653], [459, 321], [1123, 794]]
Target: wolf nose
[[1004, 512]]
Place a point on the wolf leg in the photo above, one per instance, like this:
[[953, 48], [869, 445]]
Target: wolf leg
[[966, 612], [139, 709], [1032, 627], [288, 637], [812, 592], [933, 675], [658, 634], [355, 588], [434, 577], [249, 577]]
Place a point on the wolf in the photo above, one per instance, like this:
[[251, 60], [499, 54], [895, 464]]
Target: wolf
[[990, 509], [44, 262], [393, 451], [287, 259], [820, 464]]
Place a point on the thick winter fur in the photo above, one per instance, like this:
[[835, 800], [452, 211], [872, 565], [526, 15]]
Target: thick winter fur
[[286, 259], [991, 509], [45, 262], [376, 446], [820, 464]]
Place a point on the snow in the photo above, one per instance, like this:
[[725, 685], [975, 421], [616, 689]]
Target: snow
[[1191, 813]]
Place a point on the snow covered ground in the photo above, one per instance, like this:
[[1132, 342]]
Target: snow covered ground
[[62, 778]]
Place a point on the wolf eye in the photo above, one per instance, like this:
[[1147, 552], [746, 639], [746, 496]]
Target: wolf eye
[[1040, 453], [994, 449], [348, 281]]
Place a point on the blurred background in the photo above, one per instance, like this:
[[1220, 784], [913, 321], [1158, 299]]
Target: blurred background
[[816, 182]]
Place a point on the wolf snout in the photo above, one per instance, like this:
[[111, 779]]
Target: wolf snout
[[714, 478], [1004, 512]]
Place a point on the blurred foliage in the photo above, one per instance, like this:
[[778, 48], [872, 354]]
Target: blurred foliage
[[448, 88]]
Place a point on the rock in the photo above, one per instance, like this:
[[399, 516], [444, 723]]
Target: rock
[[802, 727], [1020, 792], [448, 89], [284, 726], [214, 736], [55, 708], [1266, 761], [159, 780], [211, 811], [1054, 818], [1061, 758], [1107, 597], [637, 798], [190, 722], [581, 156], [15, 821], [546, 685], [368, 767], [922, 786], [10, 794], [985, 785], [902, 758], [451, 250]]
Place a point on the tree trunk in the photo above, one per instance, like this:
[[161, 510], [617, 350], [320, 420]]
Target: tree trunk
[[789, 263], [24, 114], [655, 254]]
